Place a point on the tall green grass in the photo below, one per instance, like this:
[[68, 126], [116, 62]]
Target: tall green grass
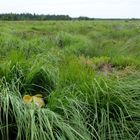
[[64, 61]]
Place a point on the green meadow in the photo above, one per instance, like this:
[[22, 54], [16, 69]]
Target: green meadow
[[88, 73]]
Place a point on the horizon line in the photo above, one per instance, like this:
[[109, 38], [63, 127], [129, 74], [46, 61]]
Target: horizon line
[[70, 16]]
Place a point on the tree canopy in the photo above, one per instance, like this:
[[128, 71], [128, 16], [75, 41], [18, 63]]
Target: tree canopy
[[28, 16]]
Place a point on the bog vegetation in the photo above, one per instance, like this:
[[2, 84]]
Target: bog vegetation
[[86, 72]]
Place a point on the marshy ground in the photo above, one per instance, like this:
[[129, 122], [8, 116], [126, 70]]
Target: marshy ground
[[88, 73]]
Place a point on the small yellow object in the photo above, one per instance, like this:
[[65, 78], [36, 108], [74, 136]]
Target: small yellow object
[[36, 99], [27, 99]]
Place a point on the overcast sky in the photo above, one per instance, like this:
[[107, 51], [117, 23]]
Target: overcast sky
[[74, 8]]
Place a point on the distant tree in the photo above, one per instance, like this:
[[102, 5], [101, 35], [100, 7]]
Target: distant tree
[[28, 16]]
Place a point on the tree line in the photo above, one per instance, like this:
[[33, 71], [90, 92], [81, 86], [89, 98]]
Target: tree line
[[28, 16]]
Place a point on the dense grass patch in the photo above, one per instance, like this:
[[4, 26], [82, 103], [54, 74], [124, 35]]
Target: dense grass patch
[[88, 73]]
